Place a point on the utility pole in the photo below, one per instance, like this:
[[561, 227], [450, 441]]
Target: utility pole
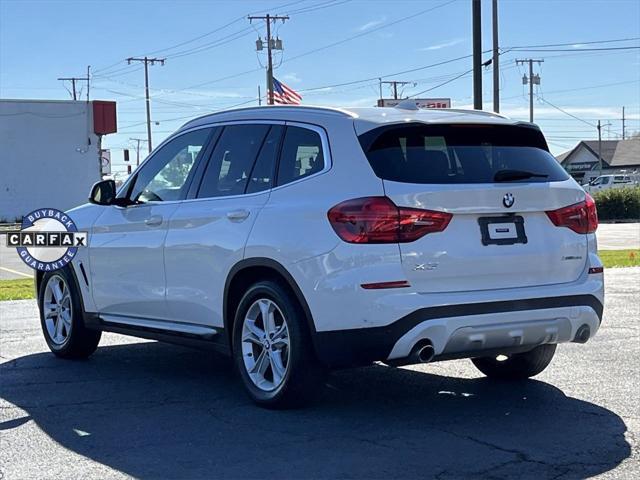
[[623, 125], [495, 62], [138, 141], [599, 148], [272, 44], [599, 127], [477, 53], [394, 84], [146, 62], [532, 80], [73, 80], [259, 96]]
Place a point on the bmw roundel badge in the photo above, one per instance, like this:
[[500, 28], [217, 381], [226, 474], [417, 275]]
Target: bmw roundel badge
[[508, 200]]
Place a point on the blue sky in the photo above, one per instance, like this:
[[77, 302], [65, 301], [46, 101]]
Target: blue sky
[[40, 41]]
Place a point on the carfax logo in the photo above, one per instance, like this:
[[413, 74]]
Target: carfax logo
[[48, 239]]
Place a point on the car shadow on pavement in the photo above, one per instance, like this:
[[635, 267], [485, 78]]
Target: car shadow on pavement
[[157, 411]]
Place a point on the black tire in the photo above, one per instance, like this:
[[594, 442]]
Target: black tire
[[518, 366], [80, 342], [303, 375]]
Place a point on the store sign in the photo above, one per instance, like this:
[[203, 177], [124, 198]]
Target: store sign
[[105, 162], [580, 167], [420, 102]]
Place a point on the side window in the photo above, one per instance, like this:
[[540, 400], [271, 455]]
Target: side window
[[165, 175], [301, 155], [232, 160], [261, 177]]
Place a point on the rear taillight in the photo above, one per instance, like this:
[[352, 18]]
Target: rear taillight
[[581, 217], [379, 220]]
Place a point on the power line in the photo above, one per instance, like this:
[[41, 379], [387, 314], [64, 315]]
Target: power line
[[565, 112], [583, 88], [194, 39], [214, 44], [199, 37], [126, 70], [574, 49], [394, 85], [73, 81], [320, 6], [369, 32], [403, 72], [376, 77], [593, 42], [228, 77], [443, 83]]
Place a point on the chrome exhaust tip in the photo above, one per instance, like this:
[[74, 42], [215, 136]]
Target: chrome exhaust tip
[[422, 352], [583, 334], [426, 354]]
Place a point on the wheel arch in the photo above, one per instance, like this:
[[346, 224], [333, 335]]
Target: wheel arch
[[89, 322], [38, 282], [250, 270]]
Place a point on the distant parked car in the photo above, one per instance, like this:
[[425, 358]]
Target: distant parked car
[[605, 182], [298, 239]]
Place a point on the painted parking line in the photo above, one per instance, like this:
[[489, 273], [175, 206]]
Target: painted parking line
[[16, 272]]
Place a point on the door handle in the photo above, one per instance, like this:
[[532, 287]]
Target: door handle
[[238, 215], [153, 221]]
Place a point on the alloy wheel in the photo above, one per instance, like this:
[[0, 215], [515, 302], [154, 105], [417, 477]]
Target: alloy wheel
[[57, 310], [265, 344]]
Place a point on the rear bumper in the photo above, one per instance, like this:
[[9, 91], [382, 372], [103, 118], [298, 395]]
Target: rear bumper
[[464, 330]]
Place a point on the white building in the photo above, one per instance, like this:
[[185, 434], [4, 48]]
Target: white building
[[618, 157], [50, 153]]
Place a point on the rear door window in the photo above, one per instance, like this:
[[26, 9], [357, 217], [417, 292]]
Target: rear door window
[[232, 160], [301, 155], [419, 153], [261, 177]]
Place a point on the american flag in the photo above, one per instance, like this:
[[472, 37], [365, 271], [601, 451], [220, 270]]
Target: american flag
[[285, 95]]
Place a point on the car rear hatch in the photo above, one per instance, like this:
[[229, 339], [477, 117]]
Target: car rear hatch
[[498, 182]]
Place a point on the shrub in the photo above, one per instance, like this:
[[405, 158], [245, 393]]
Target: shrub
[[618, 203]]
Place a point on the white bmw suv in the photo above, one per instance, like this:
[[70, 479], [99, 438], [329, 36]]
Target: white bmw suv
[[298, 239]]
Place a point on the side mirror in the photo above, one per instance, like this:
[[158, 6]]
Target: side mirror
[[103, 193]]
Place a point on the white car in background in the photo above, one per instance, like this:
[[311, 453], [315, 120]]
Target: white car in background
[[605, 182], [299, 239]]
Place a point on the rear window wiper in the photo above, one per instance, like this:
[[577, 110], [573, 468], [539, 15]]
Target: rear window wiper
[[510, 175]]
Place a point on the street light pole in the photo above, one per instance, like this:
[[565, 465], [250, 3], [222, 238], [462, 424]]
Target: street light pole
[[496, 59], [477, 53]]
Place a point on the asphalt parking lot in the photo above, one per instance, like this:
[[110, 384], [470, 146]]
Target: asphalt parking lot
[[148, 410]]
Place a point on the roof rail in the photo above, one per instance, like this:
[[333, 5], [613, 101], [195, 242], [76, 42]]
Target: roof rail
[[407, 104], [330, 110], [475, 112]]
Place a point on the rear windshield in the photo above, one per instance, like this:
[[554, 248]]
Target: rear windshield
[[419, 153]]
